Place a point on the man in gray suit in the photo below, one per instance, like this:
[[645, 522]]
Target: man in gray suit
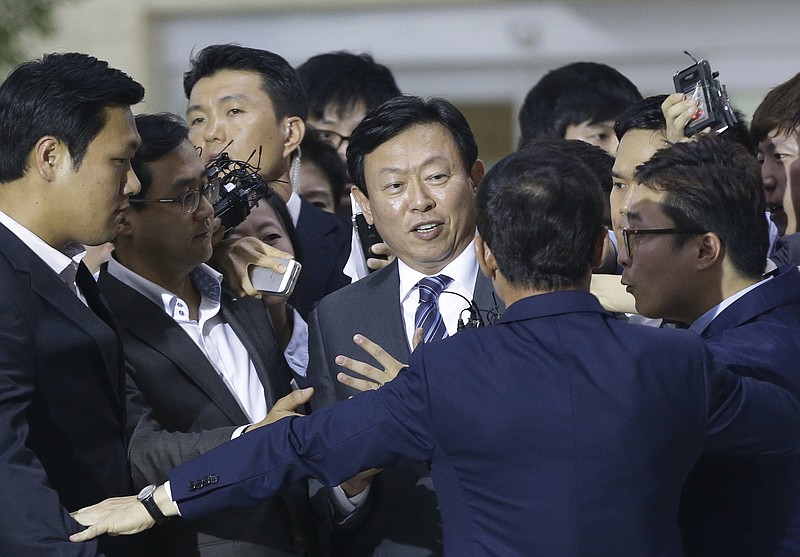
[[204, 361], [415, 167]]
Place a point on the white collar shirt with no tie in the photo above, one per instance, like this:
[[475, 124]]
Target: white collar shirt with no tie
[[211, 334], [464, 272]]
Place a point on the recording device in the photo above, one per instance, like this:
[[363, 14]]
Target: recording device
[[241, 187], [273, 283], [474, 318], [714, 109], [367, 236]]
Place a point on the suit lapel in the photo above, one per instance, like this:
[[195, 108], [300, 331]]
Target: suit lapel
[[780, 290], [146, 321], [485, 299], [382, 291], [49, 286]]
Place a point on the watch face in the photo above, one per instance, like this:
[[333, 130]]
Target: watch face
[[146, 492]]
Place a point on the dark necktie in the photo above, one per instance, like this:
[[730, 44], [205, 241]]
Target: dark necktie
[[428, 317]]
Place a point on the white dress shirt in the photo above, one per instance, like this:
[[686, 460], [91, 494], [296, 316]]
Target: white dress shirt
[[214, 337], [464, 272]]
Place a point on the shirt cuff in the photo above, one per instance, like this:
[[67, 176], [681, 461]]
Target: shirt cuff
[[346, 505], [296, 352], [169, 493], [239, 430]]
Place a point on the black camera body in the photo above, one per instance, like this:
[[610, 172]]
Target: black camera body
[[714, 109], [241, 188]]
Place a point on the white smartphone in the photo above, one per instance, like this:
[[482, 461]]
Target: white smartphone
[[272, 283]]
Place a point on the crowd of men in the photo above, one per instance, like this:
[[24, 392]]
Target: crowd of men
[[589, 349]]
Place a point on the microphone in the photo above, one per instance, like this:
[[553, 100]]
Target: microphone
[[474, 319]]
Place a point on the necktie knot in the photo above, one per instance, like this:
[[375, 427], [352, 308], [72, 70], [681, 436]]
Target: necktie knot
[[428, 317], [431, 287]]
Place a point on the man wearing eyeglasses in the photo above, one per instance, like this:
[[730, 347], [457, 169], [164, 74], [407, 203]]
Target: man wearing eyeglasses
[[694, 243], [205, 362]]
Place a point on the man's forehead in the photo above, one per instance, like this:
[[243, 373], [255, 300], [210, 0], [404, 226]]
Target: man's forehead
[[635, 148]]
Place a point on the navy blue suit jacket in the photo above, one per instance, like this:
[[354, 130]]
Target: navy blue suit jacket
[[558, 431], [325, 243], [732, 508]]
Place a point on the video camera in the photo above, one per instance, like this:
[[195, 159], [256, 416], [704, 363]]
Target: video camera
[[714, 109], [241, 188]]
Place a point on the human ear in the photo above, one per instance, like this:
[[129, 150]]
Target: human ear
[[46, 155], [363, 200], [294, 130], [485, 257]]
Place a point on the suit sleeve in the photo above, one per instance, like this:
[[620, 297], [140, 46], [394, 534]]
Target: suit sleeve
[[32, 518], [153, 451], [379, 428], [749, 417]]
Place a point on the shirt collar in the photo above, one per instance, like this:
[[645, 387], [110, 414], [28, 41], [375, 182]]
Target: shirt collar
[[463, 270], [207, 280], [294, 205], [705, 320]]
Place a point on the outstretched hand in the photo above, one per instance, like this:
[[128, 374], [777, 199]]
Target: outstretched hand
[[373, 377], [678, 111]]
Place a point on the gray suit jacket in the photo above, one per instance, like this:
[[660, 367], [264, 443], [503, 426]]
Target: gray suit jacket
[[183, 409], [402, 518]]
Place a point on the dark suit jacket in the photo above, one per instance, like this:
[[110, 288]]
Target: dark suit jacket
[[558, 431], [183, 393], [787, 250], [403, 515], [62, 409], [325, 241], [730, 507]]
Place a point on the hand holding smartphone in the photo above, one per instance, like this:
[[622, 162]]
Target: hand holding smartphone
[[273, 283]]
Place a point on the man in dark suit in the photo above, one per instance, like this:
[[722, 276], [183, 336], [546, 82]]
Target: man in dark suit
[[68, 136], [205, 361], [696, 244], [250, 103], [557, 431], [426, 151]]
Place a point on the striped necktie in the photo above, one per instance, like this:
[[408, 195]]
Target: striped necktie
[[428, 317]]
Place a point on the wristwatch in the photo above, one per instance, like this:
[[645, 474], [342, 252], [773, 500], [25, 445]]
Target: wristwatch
[[145, 497]]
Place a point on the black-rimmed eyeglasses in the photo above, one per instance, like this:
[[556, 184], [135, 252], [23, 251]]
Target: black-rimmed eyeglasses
[[330, 137], [190, 200], [628, 232]]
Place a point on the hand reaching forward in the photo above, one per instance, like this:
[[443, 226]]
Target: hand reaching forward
[[374, 377]]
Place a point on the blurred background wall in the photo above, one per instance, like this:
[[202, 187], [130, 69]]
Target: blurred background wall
[[484, 56]]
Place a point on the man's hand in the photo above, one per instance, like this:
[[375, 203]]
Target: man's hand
[[380, 249], [374, 377], [233, 259], [358, 483], [120, 516], [284, 408]]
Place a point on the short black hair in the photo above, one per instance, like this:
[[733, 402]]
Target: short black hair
[[780, 110], [396, 116], [341, 80], [63, 95], [327, 159], [160, 133], [647, 115], [571, 94], [279, 80], [714, 185], [540, 210]]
